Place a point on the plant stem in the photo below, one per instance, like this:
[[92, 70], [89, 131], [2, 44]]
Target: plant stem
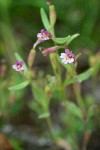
[[49, 123], [76, 87], [58, 74], [81, 105], [78, 97]]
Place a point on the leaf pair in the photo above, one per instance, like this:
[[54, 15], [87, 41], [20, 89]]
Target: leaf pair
[[47, 25], [66, 40]]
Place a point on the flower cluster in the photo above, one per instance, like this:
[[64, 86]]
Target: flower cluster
[[67, 57], [18, 66]]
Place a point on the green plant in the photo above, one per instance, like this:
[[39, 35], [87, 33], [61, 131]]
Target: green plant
[[76, 115]]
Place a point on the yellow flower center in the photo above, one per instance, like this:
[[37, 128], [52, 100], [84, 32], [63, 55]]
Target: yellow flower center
[[67, 58], [18, 66], [44, 35]]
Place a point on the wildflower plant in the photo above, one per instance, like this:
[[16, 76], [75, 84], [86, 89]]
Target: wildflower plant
[[76, 115]]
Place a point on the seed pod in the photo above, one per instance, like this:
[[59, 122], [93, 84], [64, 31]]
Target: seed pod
[[31, 57], [52, 15], [50, 50]]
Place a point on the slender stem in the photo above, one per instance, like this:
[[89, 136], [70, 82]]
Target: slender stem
[[58, 74], [78, 97], [49, 123], [76, 87], [56, 69], [82, 107], [36, 43], [48, 119]]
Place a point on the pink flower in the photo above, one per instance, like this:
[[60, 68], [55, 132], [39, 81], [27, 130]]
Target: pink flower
[[18, 66], [67, 57], [43, 35]]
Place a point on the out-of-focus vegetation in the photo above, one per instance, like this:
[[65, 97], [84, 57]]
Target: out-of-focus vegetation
[[20, 21]]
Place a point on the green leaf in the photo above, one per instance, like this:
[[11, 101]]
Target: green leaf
[[44, 115], [71, 38], [40, 95], [34, 106], [18, 57], [79, 78], [90, 112], [45, 20], [62, 40], [89, 100], [19, 86], [69, 81], [85, 75], [74, 109]]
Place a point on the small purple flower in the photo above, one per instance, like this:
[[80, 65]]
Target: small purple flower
[[43, 35], [67, 57], [18, 66]]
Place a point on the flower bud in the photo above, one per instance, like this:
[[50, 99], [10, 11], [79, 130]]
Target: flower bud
[[52, 15], [50, 50], [31, 57]]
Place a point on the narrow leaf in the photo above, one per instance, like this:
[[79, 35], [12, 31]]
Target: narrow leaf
[[85, 75], [34, 106], [45, 20], [91, 112], [74, 109], [44, 115], [69, 81], [19, 86], [40, 95], [71, 38], [62, 40]]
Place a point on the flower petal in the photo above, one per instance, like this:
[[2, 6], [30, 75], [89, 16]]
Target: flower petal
[[65, 61], [21, 63], [22, 68], [42, 30], [39, 35], [67, 51], [17, 62], [63, 55], [14, 66], [45, 38], [71, 60]]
